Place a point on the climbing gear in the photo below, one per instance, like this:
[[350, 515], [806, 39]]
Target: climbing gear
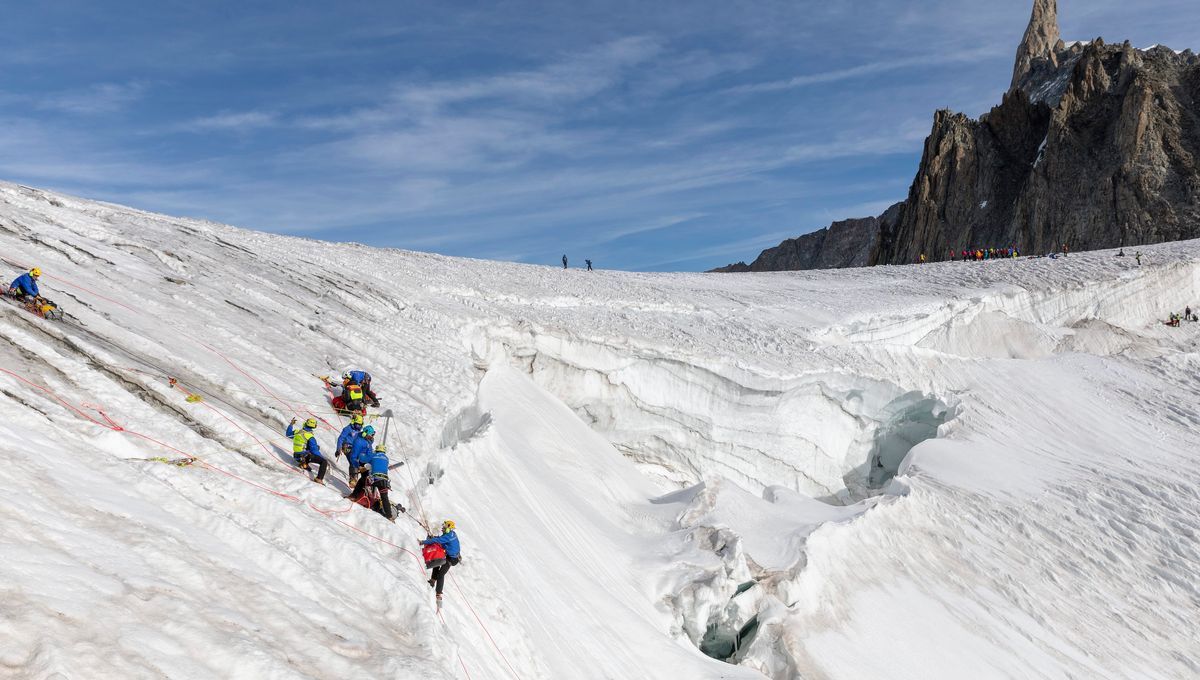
[[346, 376], [447, 526], [356, 419], [310, 424], [35, 272], [178, 462], [434, 555], [355, 392]]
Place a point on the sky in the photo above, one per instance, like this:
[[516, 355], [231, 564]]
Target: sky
[[649, 136]]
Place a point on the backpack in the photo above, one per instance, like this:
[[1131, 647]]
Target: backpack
[[434, 554]]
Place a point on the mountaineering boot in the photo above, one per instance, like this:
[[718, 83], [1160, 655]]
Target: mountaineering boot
[[432, 582], [319, 481]]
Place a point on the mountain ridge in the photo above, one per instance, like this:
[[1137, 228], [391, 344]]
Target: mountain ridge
[[1094, 146]]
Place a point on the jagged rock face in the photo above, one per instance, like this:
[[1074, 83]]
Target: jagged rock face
[[1099, 152], [849, 243], [1094, 146]]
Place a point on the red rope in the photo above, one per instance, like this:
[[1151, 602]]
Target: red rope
[[460, 659], [484, 627]]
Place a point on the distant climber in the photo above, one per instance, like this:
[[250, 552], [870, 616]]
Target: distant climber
[[448, 540], [922, 258], [305, 450], [564, 261], [25, 285], [1138, 255], [377, 476], [1066, 250], [589, 264], [1187, 314], [1121, 253]]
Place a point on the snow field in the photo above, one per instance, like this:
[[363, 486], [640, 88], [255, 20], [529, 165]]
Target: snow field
[[640, 465]]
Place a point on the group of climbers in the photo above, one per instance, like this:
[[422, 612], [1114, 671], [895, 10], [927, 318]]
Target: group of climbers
[[1176, 319], [368, 464], [367, 470], [367, 461], [981, 254]]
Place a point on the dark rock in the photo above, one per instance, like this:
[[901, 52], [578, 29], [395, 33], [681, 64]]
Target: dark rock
[[849, 243], [1094, 146]]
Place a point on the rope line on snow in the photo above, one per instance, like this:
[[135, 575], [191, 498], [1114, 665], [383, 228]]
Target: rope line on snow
[[289, 408], [112, 425]]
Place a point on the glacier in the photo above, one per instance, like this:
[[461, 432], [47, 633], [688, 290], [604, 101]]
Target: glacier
[[952, 470]]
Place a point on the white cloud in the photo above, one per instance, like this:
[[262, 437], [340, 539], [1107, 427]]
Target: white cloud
[[97, 99], [869, 69], [230, 121]]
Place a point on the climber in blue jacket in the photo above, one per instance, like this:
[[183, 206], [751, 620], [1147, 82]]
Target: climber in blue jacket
[[359, 456], [349, 433], [377, 477], [449, 541], [25, 285], [305, 449]]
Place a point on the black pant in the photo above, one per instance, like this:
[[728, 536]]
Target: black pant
[[308, 459], [439, 573], [382, 485]]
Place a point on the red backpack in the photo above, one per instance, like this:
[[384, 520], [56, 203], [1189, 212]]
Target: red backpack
[[434, 554]]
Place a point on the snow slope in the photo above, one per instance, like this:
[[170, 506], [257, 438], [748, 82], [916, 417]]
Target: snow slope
[[955, 470]]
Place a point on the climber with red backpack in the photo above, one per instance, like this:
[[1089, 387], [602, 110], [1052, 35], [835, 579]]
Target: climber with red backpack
[[448, 541]]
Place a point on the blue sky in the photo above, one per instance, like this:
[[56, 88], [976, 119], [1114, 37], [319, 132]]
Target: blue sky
[[643, 135]]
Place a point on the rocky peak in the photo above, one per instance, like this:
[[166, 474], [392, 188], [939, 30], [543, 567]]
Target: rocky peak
[[1042, 41]]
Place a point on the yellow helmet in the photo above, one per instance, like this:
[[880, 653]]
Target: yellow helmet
[[310, 423], [380, 449], [356, 419], [448, 525], [35, 272]]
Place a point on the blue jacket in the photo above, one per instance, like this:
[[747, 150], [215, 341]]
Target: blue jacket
[[449, 540], [361, 377], [26, 284], [348, 435], [379, 463], [361, 452], [312, 447]]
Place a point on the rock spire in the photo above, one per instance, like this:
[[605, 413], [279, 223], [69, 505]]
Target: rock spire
[[1042, 40]]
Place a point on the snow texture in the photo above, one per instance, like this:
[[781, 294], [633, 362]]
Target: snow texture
[[980, 470]]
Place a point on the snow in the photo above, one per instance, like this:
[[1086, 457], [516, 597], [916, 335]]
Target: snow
[[1041, 152], [960, 469]]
